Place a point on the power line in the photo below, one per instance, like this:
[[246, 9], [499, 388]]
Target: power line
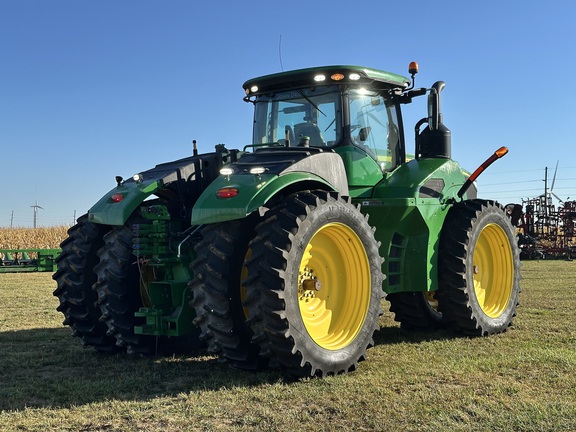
[[510, 172], [518, 182], [512, 191], [492, 172]]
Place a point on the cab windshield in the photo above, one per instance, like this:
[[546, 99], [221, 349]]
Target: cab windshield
[[292, 116]]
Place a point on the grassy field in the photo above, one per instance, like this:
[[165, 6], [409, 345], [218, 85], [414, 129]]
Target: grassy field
[[522, 380]]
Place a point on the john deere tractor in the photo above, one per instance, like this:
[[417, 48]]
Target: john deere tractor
[[279, 254]]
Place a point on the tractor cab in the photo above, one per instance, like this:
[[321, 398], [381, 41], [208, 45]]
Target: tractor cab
[[349, 110]]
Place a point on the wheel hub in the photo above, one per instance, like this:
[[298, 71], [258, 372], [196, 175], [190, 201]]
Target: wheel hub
[[308, 283], [311, 285]]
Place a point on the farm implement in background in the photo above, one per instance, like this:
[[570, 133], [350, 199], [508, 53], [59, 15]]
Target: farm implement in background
[[28, 260], [545, 231]]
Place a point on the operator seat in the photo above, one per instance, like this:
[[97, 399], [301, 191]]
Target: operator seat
[[309, 129]]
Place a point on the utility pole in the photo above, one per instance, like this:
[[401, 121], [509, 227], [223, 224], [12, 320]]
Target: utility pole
[[12, 220], [36, 207], [546, 192]]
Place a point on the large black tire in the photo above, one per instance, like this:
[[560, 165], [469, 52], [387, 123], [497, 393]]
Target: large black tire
[[118, 289], [74, 277], [314, 285], [479, 268], [416, 310], [218, 292]]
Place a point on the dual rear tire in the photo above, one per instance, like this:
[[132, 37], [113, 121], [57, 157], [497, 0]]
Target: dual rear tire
[[218, 292], [75, 277], [310, 287], [101, 284]]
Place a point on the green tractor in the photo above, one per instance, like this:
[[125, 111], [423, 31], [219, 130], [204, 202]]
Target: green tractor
[[280, 254]]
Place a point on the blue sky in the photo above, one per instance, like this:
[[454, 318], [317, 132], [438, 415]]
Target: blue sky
[[94, 89]]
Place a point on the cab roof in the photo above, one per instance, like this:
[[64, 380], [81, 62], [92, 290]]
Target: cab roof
[[324, 75]]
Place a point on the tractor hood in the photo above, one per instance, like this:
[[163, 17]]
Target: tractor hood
[[296, 159]]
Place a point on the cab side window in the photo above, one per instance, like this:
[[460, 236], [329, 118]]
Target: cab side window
[[374, 128]]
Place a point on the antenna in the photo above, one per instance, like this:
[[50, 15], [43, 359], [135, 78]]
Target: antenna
[[280, 53], [36, 207]]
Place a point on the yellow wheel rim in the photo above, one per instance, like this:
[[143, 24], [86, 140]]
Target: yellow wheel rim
[[334, 286], [493, 268]]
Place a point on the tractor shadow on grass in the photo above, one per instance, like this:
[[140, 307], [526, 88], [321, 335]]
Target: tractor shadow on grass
[[396, 335], [49, 368]]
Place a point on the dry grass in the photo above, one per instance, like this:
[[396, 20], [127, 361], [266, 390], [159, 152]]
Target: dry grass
[[522, 380], [32, 238]]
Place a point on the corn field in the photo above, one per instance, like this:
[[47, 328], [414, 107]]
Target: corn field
[[32, 238]]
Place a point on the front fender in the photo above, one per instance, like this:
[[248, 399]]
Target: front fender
[[283, 168], [253, 192]]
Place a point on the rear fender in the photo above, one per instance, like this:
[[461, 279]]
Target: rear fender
[[181, 181], [108, 211]]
